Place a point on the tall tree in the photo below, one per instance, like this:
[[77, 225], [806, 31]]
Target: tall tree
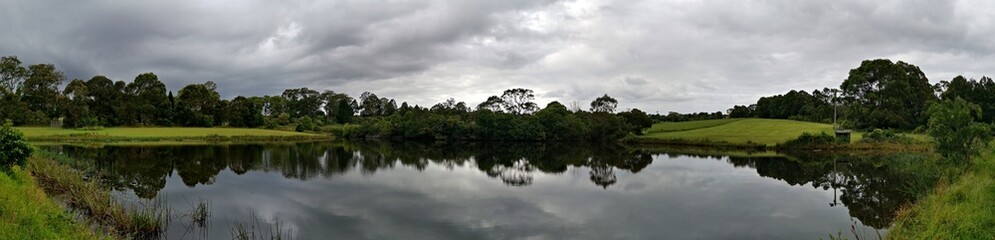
[[41, 89], [371, 105], [740, 111], [519, 101], [493, 104], [450, 107], [637, 120], [104, 100], [244, 112], [12, 74], [604, 104], [150, 99], [884, 94], [345, 111], [199, 104], [303, 102], [331, 100], [77, 111], [980, 92], [274, 106]]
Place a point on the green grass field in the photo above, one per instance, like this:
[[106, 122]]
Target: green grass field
[[158, 134], [689, 125], [27, 213], [738, 131]]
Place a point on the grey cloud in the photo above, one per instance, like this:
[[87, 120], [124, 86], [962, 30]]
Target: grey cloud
[[681, 55]]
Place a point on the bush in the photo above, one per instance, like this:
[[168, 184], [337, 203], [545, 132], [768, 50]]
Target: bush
[[954, 126], [305, 125], [13, 149], [885, 136], [270, 123], [808, 140]]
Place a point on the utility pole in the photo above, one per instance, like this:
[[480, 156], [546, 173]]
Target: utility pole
[[835, 106]]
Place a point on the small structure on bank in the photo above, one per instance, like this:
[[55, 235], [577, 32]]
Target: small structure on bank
[[843, 135]]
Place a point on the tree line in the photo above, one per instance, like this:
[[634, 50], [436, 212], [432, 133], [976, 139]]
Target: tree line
[[513, 116], [31, 96], [879, 94]]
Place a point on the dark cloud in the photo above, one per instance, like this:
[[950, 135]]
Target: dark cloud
[[658, 56]]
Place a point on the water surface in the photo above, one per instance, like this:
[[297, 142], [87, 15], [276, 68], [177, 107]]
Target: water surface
[[504, 191]]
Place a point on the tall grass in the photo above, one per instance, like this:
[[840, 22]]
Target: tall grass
[[253, 231], [146, 221], [961, 207], [27, 213], [199, 213]]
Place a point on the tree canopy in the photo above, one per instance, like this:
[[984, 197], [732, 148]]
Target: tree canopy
[[886, 94], [604, 104]]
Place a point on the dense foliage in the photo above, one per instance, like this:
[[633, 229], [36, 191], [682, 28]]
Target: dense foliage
[[30, 96], [13, 149], [879, 94], [886, 136], [453, 121], [953, 124], [810, 140], [884, 94]]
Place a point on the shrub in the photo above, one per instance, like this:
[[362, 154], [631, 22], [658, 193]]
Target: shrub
[[13, 149], [885, 136], [955, 127], [305, 125], [808, 140]]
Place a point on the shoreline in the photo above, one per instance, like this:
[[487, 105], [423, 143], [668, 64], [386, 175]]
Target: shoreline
[[166, 134], [749, 146]]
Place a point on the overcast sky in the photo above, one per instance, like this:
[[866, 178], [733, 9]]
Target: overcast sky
[[658, 56]]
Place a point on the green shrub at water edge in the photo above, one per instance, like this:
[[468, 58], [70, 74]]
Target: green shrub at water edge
[[886, 136], [306, 124], [13, 149], [809, 140], [955, 127]]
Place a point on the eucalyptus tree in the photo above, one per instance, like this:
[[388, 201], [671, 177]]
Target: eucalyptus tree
[[332, 105], [519, 101], [149, 100], [493, 104], [40, 89], [77, 109], [303, 102], [604, 104], [198, 104], [12, 74], [103, 99]]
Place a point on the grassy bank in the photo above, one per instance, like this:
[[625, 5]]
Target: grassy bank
[[767, 132], [26, 212], [755, 133], [48, 199], [164, 134], [963, 209], [95, 203]]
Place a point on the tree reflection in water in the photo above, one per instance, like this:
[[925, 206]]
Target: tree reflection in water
[[873, 188]]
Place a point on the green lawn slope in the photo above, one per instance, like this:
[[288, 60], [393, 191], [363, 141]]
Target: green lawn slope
[[689, 125], [736, 131]]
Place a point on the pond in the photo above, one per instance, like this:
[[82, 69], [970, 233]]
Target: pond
[[340, 190]]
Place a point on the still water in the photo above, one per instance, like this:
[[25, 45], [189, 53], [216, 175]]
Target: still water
[[335, 190]]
